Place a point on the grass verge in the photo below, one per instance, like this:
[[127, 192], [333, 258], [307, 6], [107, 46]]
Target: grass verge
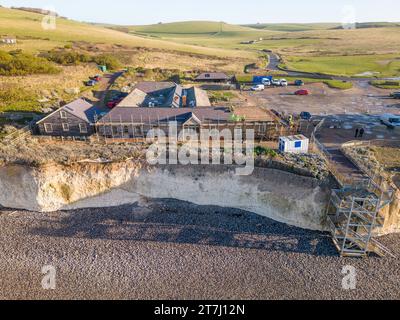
[[386, 84]]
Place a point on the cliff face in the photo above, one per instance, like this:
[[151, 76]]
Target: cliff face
[[392, 216], [283, 196]]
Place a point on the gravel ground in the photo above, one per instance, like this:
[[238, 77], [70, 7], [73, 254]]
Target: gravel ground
[[167, 249], [324, 100]]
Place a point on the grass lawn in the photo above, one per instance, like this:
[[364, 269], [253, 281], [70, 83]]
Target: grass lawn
[[338, 84], [221, 96], [387, 156]]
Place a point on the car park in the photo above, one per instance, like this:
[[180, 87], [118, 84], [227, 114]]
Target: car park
[[303, 92]]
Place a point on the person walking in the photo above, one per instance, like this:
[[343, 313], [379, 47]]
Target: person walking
[[357, 131], [362, 131]]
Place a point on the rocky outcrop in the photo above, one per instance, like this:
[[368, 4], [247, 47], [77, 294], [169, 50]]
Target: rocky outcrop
[[392, 216], [283, 196]]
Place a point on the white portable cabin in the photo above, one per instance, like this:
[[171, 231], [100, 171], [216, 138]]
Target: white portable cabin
[[294, 144]]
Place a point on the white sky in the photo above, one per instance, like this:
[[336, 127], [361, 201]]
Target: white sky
[[134, 12]]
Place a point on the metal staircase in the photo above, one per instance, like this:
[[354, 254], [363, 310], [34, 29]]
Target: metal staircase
[[353, 214]]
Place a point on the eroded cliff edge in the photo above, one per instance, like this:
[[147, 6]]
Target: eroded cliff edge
[[283, 196]]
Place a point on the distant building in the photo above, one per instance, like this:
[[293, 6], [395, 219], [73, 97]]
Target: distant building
[[74, 119], [213, 77], [9, 40]]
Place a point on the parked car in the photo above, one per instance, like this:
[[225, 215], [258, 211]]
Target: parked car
[[97, 78], [303, 92], [395, 95], [299, 83], [284, 82], [275, 82], [266, 82], [113, 104], [258, 87], [91, 83], [305, 115], [390, 120]]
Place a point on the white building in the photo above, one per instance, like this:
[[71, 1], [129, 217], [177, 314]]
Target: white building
[[294, 144], [8, 40]]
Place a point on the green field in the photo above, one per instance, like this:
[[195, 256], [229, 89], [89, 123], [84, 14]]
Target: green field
[[293, 27], [374, 48], [363, 65]]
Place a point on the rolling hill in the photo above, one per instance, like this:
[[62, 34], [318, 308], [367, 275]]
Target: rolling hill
[[27, 27], [190, 27], [293, 27]]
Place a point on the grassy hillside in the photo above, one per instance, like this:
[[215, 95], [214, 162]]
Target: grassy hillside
[[189, 27], [293, 27], [39, 89], [27, 27], [369, 25], [372, 49]]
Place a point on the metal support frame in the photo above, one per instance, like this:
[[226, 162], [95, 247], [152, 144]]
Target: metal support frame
[[353, 214]]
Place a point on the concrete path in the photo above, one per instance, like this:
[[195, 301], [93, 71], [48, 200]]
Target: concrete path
[[346, 169]]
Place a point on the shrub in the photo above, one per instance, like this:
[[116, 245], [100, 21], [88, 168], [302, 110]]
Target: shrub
[[16, 99], [110, 61], [20, 64], [261, 151], [65, 57]]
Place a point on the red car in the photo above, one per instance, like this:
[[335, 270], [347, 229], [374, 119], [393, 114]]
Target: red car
[[113, 104], [302, 92]]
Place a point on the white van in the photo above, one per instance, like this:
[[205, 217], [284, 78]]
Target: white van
[[258, 87], [276, 82], [284, 83], [266, 82]]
